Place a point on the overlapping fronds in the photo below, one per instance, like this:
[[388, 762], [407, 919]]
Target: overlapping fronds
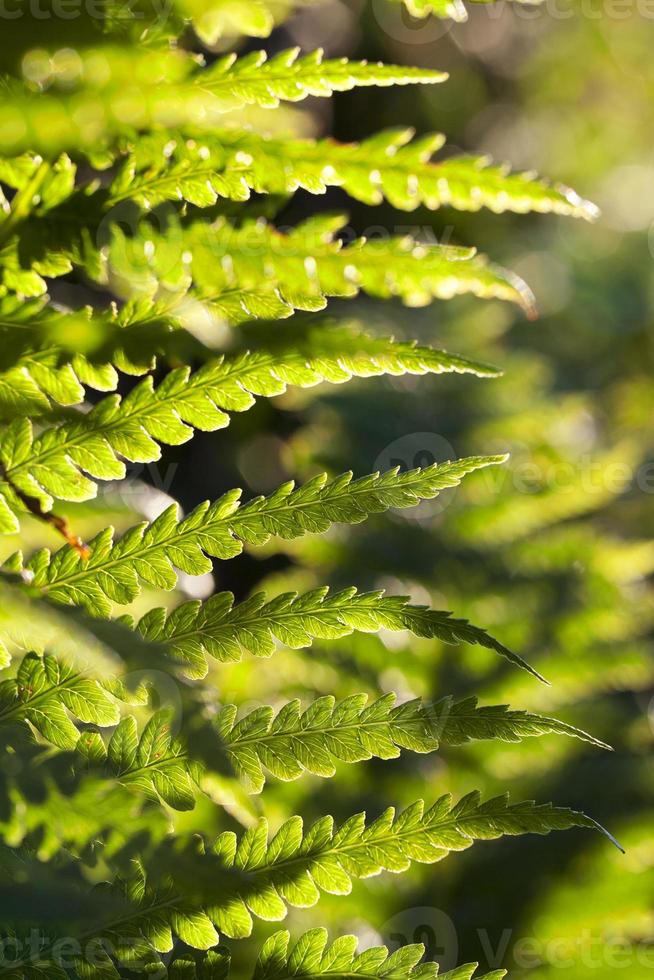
[[63, 350], [106, 91], [254, 875], [114, 134], [45, 690]]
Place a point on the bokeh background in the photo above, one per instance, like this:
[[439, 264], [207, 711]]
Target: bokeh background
[[554, 554]]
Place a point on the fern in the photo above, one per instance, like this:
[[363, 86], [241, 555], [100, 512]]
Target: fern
[[223, 630], [386, 166], [243, 272], [155, 763], [257, 79], [141, 196], [112, 571], [294, 866], [168, 88], [290, 742], [311, 956], [262, 877], [52, 464], [45, 694], [43, 689]]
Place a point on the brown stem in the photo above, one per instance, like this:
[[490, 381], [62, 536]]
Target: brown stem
[[60, 524]]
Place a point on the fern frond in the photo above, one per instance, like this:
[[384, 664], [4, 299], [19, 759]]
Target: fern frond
[[238, 878], [388, 165], [308, 264], [54, 462], [286, 744], [293, 741], [256, 79], [223, 630], [144, 89], [154, 764], [336, 355], [295, 866], [254, 270], [312, 956], [149, 552], [42, 693]]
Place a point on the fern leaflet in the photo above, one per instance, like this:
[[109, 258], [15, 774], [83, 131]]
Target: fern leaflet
[[295, 866], [292, 742], [55, 461], [313, 957], [42, 692], [388, 165], [223, 630], [149, 552]]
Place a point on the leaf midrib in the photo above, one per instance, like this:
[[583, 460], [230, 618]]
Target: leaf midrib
[[452, 823], [21, 706], [353, 726]]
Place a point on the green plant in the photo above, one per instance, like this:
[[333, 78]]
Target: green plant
[[138, 165]]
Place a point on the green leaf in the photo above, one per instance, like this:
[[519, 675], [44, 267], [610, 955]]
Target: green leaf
[[255, 79], [387, 165], [45, 692], [145, 88], [253, 270], [150, 552], [291, 741], [312, 956], [223, 630], [294, 866], [54, 463]]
